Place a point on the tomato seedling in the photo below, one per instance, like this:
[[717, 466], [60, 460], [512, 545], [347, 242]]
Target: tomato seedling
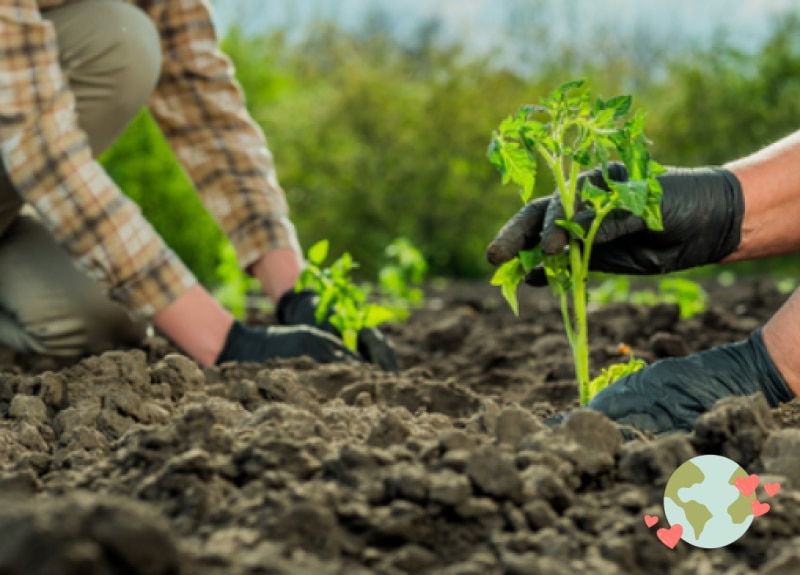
[[338, 295], [570, 133], [399, 279]]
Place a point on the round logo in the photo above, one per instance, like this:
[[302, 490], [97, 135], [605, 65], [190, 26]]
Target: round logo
[[703, 498]]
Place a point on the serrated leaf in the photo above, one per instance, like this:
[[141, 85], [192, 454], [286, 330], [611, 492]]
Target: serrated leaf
[[573, 228], [631, 195], [620, 104], [518, 167], [318, 252]]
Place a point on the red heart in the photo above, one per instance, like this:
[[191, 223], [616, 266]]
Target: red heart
[[747, 485], [772, 488], [759, 508], [650, 520], [671, 536]]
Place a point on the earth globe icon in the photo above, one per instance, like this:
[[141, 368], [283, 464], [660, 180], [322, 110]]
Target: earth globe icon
[[702, 497]]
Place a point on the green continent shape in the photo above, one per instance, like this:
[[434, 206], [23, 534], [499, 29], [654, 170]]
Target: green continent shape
[[740, 509], [697, 514]]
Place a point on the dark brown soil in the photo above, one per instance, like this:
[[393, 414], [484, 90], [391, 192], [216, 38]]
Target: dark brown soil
[[139, 462]]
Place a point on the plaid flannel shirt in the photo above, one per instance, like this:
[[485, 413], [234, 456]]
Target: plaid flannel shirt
[[200, 109]]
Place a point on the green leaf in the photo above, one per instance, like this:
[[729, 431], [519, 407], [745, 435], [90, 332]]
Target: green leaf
[[532, 109], [559, 93], [375, 314], [573, 228], [318, 252], [508, 276], [323, 307], [596, 196], [620, 104], [531, 258], [631, 195], [518, 167]]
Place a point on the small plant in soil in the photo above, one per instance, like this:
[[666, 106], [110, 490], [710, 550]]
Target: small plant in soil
[[570, 131], [399, 279], [337, 292]]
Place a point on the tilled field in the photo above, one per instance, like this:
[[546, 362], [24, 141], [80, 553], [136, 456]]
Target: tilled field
[[139, 462]]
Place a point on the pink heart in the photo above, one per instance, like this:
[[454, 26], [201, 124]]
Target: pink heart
[[650, 520], [671, 536], [759, 508], [747, 485], [772, 488]]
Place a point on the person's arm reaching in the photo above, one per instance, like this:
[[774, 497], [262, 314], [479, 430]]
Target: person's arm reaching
[[770, 180], [201, 110]]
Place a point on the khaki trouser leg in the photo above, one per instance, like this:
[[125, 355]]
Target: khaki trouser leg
[[110, 54]]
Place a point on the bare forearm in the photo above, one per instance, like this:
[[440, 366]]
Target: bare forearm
[[782, 339], [278, 271], [197, 324], [770, 181]]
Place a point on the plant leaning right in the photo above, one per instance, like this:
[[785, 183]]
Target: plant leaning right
[[570, 133]]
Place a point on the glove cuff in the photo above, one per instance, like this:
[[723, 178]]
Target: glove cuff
[[236, 338], [707, 205], [296, 307], [776, 391]]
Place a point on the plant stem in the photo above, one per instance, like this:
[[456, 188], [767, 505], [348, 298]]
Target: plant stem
[[580, 348]]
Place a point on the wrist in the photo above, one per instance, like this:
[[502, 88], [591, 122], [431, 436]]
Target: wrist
[[781, 340], [278, 271], [197, 324]]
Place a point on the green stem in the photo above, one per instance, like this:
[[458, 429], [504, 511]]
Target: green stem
[[580, 349]]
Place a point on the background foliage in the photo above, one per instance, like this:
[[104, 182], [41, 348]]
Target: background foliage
[[376, 139]]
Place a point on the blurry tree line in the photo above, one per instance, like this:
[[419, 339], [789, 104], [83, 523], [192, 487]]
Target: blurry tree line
[[376, 138]]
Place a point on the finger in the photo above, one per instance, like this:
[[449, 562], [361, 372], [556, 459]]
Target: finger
[[554, 237], [522, 232], [536, 277]]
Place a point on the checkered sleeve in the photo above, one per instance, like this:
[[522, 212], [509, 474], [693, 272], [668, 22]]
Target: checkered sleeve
[[201, 109], [49, 162]]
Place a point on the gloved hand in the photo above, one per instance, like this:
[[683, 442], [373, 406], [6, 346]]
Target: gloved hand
[[260, 344], [672, 393], [702, 212], [299, 308]]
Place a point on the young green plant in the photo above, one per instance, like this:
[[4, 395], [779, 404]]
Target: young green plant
[[570, 131], [338, 295], [399, 279]]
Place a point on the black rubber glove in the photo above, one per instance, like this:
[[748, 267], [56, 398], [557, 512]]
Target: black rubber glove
[[260, 344], [672, 393], [299, 308], [702, 211]]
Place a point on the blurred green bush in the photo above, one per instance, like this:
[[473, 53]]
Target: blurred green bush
[[375, 139]]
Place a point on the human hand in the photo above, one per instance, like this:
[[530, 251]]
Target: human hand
[[278, 342], [702, 211], [672, 393], [299, 308]]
